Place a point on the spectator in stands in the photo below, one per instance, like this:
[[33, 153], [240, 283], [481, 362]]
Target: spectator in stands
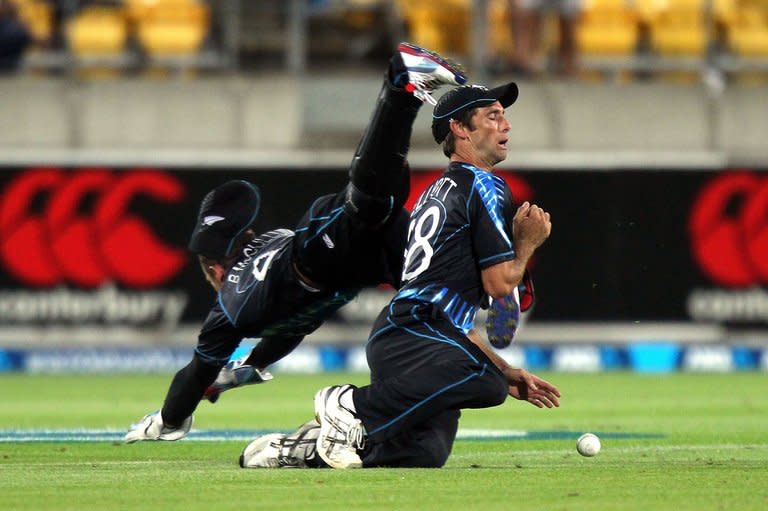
[[15, 37], [527, 18]]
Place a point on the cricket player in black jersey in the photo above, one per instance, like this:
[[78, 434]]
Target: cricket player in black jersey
[[281, 286], [466, 243]]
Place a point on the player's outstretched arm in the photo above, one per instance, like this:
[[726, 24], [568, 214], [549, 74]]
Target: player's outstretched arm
[[526, 386], [523, 385]]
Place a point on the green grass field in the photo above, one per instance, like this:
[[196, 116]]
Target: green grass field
[[677, 442]]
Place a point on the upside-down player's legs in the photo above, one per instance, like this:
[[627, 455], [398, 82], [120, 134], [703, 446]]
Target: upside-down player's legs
[[379, 176], [337, 253], [371, 205]]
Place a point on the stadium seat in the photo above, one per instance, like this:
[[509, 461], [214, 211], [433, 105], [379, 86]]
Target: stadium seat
[[38, 16], [500, 23], [97, 31], [607, 28], [607, 36], [445, 27], [744, 24], [676, 27], [170, 28], [440, 26]]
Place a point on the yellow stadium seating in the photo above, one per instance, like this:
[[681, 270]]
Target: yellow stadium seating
[[445, 26], [607, 28], [744, 24], [38, 17], [440, 26], [97, 31], [169, 27], [676, 27]]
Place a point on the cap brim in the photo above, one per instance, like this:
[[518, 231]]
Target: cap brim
[[505, 94]]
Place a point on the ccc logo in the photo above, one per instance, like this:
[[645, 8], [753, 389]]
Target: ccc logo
[[729, 229], [75, 227]]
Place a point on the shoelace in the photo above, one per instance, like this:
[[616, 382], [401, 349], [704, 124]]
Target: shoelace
[[356, 435], [425, 96], [422, 84], [421, 89], [352, 435], [288, 454]]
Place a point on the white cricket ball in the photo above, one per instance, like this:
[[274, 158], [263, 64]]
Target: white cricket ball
[[588, 444]]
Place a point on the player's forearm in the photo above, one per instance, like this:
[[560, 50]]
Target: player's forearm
[[501, 279], [271, 349], [187, 390], [495, 358]]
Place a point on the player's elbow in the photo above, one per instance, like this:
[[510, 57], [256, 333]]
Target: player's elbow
[[499, 290], [497, 286], [501, 279]]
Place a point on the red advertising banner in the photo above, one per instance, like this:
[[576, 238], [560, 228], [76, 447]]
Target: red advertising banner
[[106, 247]]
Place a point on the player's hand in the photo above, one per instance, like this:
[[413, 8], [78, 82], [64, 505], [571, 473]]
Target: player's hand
[[531, 226], [525, 386]]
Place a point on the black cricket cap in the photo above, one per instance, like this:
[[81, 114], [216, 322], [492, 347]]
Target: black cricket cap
[[225, 213], [462, 98]]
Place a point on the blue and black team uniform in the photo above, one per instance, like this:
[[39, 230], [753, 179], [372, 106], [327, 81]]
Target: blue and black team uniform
[[345, 241], [424, 369]]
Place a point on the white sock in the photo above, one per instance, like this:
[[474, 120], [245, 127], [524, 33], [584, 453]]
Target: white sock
[[345, 400]]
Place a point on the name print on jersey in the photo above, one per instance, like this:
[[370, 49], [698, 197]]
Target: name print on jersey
[[439, 190], [424, 227]]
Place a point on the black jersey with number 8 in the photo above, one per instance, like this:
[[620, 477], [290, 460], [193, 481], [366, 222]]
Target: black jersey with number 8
[[459, 226]]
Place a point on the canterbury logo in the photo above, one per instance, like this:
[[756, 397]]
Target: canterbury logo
[[77, 227], [728, 226]]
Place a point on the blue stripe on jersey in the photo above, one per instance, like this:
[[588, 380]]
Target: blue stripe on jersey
[[328, 219], [460, 313], [428, 399], [490, 189], [439, 337], [224, 309], [503, 255], [220, 360]]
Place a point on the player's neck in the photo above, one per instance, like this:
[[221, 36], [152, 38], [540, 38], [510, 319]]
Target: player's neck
[[472, 159]]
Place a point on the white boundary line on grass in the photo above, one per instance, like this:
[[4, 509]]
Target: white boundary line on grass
[[114, 435]]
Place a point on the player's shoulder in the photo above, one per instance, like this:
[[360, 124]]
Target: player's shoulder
[[269, 238], [473, 176], [251, 283], [260, 258]]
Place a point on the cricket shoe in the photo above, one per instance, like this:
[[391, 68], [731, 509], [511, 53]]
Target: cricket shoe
[[341, 433], [276, 450], [151, 427], [235, 374], [503, 319], [427, 71]]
